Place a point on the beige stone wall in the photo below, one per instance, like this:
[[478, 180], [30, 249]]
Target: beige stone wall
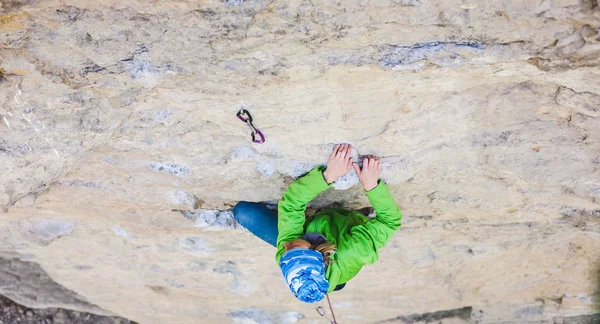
[[117, 118]]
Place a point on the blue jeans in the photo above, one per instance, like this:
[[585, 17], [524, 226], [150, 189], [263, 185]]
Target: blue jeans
[[262, 222], [258, 219]]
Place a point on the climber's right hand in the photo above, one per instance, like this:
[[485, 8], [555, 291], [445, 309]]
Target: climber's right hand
[[369, 175], [340, 162]]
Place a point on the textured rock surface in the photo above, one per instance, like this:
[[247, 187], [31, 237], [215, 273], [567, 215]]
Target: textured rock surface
[[11, 312], [27, 283], [118, 119]]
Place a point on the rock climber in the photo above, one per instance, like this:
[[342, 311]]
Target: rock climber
[[320, 254]]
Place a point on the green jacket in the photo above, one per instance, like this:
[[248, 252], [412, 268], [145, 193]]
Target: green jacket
[[357, 238]]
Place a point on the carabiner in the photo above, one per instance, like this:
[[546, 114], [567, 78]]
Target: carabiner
[[244, 115], [248, 118], [322, 312], [259, 133]]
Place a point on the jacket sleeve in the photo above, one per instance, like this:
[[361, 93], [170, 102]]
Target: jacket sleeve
[[291, 216], [365, 240]]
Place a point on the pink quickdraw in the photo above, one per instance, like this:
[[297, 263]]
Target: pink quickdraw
[[245, 116]]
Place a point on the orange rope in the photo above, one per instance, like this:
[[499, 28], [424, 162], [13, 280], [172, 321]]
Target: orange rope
[[331, 308]]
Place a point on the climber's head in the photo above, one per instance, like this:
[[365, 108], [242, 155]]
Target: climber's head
[[325, 248], [304, 272], [295, 244]]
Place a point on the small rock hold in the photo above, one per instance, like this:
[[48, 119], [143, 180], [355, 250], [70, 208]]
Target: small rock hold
[[588, 31], [215, 219], [227, 267], [192, 244], [29, 313], [347, 181], [196, 266], [121, 232], [266, 167], [171, 168], [408, 3], [45, 231]]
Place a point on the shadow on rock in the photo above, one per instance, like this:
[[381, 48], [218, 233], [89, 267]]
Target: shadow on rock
[[596, 295]]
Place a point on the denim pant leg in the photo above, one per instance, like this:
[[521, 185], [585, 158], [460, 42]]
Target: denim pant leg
[[258, 219]]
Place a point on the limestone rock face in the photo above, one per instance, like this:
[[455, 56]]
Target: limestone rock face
[[120, 152]]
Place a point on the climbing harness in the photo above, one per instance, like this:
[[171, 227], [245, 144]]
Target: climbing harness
[[245, 116], [322, 312]]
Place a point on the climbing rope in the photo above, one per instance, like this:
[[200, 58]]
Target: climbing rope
[[322, 312], [245, 116], [331, 308]]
